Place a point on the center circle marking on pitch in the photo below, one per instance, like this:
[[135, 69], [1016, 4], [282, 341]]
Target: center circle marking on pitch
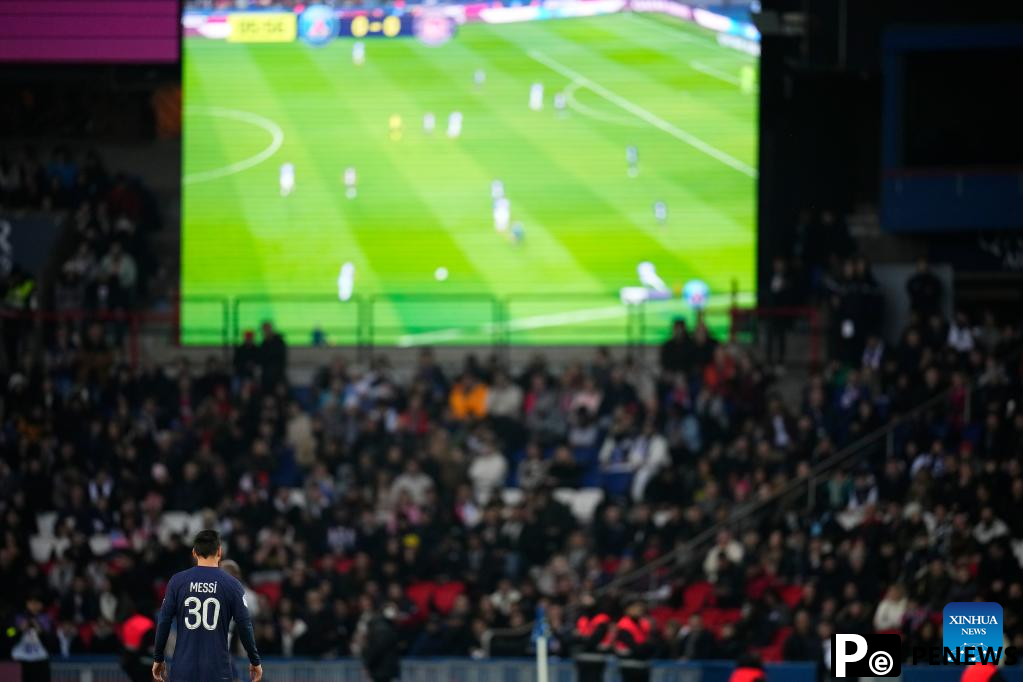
[[276, 135]]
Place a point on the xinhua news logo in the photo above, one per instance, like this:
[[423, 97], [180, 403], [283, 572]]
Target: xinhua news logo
[[972, 633], [972, 625]]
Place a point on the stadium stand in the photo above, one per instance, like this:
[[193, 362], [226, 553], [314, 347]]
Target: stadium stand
[[463, 499], [725, 502]]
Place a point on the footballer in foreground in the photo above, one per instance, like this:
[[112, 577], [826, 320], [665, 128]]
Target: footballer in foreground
[[203, 601]]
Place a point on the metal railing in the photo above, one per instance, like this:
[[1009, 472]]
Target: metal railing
[[416, 319], [504, 670], [419, 319], [98, 669]]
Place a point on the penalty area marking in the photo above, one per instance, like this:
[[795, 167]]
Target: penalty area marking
[[276, 140], [641, 113], [595, 113], [714, 73]]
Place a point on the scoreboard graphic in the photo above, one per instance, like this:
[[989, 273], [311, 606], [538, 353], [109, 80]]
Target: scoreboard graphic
[[389, 26], [261, 27]]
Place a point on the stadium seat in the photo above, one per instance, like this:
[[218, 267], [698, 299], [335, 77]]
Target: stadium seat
[[616, 484], [271, 590], [714, 618], [421, 594], [586, 456], [772, 653], [590, 477], [85, 631], [790, 594], [662, 614], [697, 596], [445, 594]]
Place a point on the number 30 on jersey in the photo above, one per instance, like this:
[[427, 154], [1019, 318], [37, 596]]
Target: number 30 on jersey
[[202, 612]]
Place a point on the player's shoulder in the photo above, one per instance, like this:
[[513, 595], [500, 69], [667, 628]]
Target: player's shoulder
[[230, 581], [177, 579]]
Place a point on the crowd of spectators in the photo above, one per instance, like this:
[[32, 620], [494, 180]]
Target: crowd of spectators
[[370, 486], [108, 218]]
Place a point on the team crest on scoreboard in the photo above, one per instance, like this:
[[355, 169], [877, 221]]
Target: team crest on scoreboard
[[318, 25], [434, 28]]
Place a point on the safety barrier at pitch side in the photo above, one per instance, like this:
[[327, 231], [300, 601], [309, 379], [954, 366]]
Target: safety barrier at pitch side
[[106, 669]]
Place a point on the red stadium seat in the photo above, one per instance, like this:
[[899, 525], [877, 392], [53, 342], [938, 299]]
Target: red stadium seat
[[790, 594], [271, 590], [770, 653], [714, 619], [445, 594], [85, 632], [421, 595], [697, 596], [662, 614], [610, 565]]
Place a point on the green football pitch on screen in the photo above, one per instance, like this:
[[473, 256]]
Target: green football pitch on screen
[[509, 182]]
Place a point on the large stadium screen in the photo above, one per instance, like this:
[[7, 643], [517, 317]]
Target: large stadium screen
[[541, 173]]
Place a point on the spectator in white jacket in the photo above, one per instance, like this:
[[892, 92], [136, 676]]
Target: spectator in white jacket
[[891, 609], [990, 527], [649, 454], [412, 481], [488, 471], [726, 546], [960, 334], [504, 399]]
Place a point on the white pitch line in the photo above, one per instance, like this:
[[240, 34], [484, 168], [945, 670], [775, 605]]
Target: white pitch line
[[595, 113], [276, 134], [407, 340], [521, 323], [647, 116], [570, 317], [714, 73], [550, 320]]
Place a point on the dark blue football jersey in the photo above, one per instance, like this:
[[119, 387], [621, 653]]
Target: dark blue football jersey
[[202, 602]]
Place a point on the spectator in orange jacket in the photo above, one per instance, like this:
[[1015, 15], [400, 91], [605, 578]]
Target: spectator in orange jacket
[[468, 399]]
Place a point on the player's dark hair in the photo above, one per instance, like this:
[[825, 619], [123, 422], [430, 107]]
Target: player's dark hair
[[206, 543]]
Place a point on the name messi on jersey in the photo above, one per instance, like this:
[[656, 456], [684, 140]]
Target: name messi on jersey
[[206, 588]]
